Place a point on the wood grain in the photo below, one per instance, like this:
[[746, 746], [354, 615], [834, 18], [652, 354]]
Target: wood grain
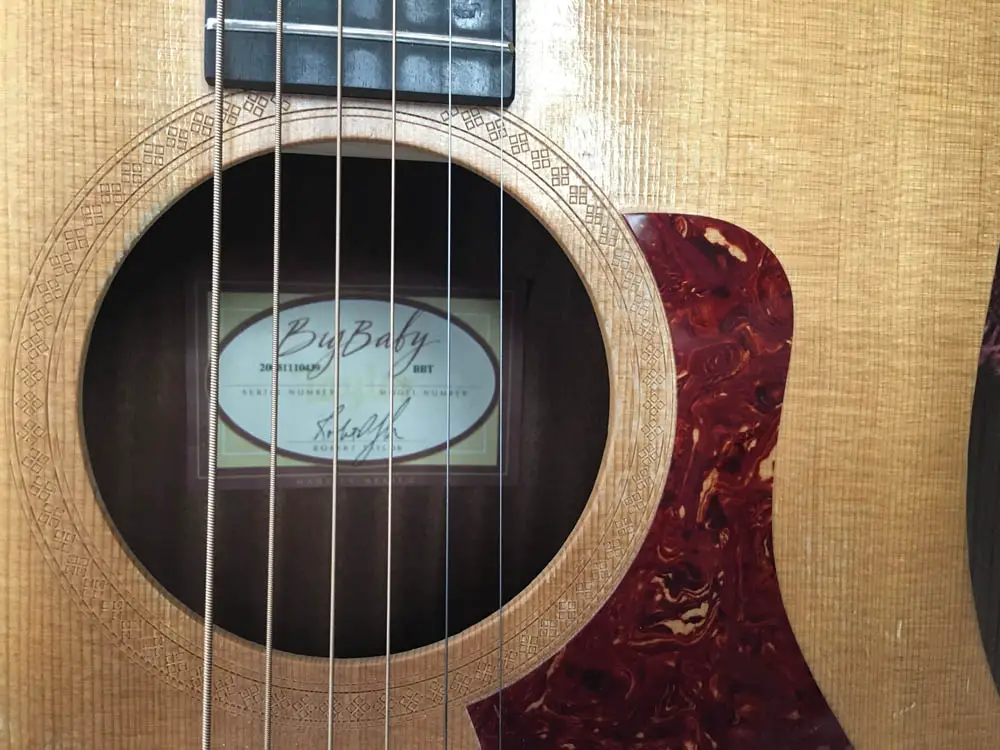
[[857, 140]]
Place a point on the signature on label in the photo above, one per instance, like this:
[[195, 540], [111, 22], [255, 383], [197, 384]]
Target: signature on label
[[375, 427]]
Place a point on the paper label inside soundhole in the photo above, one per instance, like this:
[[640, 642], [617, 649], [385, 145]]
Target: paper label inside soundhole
[[426, 436]]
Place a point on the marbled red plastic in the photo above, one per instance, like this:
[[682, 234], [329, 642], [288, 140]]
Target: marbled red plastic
[[694, 649]]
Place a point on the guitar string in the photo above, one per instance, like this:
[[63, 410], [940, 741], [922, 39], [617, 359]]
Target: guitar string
[[213, 386], [392, 384], [272, 462], [447, 446], [336, 368], [500, 430]]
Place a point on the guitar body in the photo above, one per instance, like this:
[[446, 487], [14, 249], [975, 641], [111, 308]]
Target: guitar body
[[783, 215]]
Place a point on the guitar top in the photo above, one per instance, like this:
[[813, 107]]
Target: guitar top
[[724, 342]]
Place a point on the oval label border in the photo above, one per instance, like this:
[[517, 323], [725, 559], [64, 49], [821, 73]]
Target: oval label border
[[406, 302]]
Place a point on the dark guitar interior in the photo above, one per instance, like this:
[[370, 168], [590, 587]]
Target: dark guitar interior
[[982, 509], [135, 403]]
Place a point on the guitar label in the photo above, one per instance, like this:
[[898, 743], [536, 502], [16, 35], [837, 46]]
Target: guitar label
[[425, 347]]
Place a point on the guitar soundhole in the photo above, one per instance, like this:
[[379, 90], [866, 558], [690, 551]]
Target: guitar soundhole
[[142, 399], [983, 484]]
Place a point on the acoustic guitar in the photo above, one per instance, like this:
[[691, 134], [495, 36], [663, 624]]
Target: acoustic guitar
[[500, 374]]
